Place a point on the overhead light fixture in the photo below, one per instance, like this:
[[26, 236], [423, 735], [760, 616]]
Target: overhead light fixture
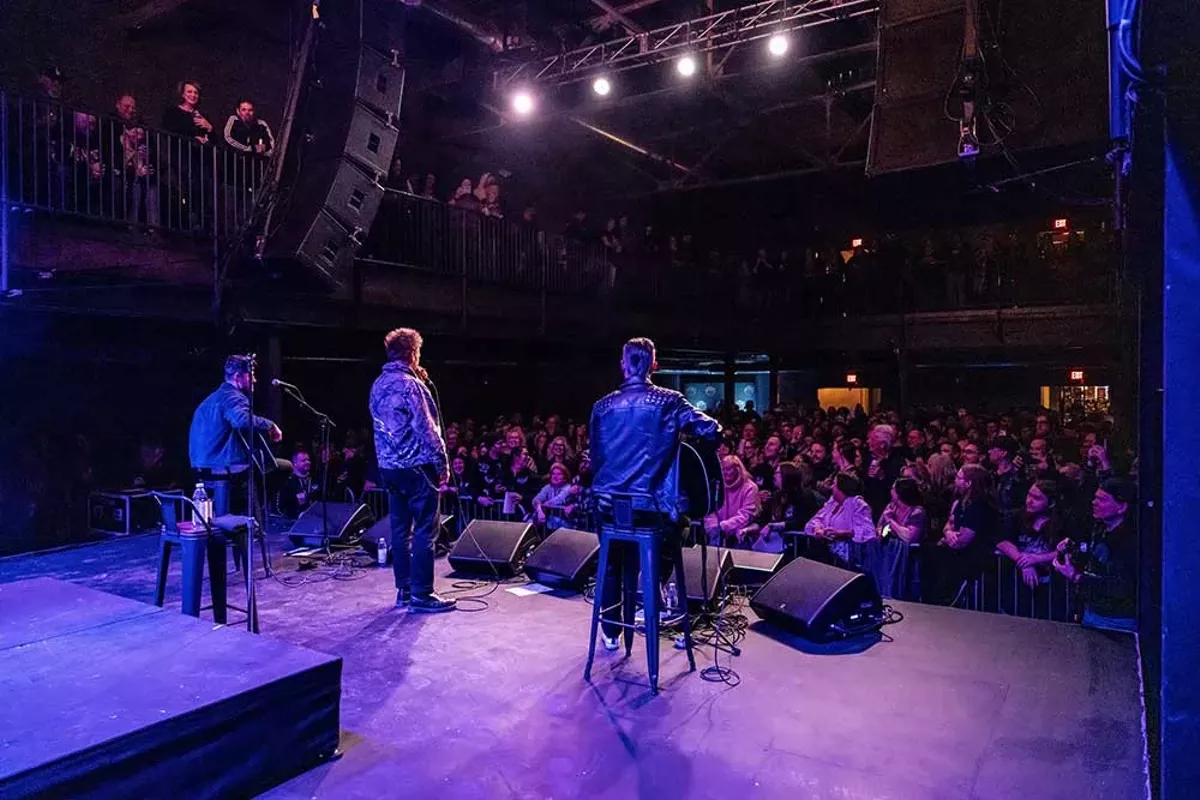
[[522, 103], [686, 66], [777, 45], [601, 86]]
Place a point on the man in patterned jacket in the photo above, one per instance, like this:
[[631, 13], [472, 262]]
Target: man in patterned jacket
[[412, 465]]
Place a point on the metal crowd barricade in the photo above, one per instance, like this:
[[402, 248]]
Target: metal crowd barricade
[[79, 164]]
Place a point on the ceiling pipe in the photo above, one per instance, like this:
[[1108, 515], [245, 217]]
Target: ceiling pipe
[[476, 29]]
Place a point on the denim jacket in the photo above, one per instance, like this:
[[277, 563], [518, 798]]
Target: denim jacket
[[217, 436], [407, 430]]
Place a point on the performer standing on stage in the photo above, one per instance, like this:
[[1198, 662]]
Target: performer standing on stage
[[636, 432], [218, 441], [412, 464]]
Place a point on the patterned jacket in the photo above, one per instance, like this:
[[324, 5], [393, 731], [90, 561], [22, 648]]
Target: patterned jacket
[[408, 432]]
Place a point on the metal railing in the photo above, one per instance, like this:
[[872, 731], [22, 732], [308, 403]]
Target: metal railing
[[74, 163], [425, 234], [431, 236]]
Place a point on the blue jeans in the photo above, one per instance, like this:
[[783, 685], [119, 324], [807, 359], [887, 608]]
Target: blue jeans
[[413, 501]]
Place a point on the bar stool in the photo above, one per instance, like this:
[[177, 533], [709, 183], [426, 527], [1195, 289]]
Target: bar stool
[[196, 542], [646, 530]]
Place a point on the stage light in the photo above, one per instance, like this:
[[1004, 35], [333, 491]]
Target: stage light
[[522, 103], [601, 86], [686, 66], [777, 45]]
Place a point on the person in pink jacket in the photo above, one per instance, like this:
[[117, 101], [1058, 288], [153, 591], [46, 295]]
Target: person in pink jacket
[[739, 508]]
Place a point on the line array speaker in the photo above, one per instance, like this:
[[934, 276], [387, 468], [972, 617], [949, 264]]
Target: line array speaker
[[343, 138]]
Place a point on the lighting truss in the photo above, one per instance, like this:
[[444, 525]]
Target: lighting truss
[[722, 29]]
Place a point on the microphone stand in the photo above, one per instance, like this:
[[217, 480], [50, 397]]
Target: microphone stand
[[252, 514], [325, 424]]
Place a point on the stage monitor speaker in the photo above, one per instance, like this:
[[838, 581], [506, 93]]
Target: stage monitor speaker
[[347, 521], [751, 568], [382, 529], [341, 142], [566, 558], [491, 547], [819, 602], [703, 593]]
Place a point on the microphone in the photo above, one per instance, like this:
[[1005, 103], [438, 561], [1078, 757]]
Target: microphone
[[284, 385]]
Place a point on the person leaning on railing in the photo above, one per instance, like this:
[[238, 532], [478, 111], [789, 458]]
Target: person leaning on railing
[[246, 133], [1104, 566]]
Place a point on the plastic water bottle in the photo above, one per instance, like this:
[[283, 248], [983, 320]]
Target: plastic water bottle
[[383, 552], [202, 509], [672, 599]]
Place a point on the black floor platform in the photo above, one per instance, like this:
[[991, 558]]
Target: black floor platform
[[109, 697]]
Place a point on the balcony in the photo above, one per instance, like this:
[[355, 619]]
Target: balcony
[[98, 199]]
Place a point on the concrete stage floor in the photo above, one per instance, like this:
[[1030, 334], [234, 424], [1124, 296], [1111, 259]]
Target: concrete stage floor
[[493, 704]]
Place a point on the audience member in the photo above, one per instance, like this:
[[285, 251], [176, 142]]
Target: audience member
[[185, 118], [1104, 566], [738, 509], [246, 133], [1031, 543], [553, 505], [299, 490], [844, 518]]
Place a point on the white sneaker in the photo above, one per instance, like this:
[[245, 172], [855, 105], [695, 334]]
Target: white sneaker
[[611, 643]]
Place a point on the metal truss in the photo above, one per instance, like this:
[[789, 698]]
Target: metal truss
[[722, 29]]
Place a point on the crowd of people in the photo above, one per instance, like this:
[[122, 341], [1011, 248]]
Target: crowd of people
[[990, 265], [117, 165], [858, 490]]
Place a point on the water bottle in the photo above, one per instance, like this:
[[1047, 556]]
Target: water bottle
[[383, 552], [200, 511], [672, 599]]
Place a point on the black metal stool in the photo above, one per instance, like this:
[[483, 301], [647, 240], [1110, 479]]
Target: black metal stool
[[643, 530], [198, 542]]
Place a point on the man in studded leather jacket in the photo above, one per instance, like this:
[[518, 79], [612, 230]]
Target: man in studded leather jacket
[[636, 432]]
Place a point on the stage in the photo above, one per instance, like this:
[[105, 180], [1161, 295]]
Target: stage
[[493, 704]]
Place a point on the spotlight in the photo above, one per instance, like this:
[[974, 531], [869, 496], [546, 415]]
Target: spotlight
[[686, 66], [777, 45], [522, 103], [601, 86]]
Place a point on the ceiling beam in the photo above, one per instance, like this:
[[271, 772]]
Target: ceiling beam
[[618, 15], [624, 8], [149, 12]]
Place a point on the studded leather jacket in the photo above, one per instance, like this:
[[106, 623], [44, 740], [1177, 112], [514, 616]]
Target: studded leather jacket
[[635, 434], [407, 430]]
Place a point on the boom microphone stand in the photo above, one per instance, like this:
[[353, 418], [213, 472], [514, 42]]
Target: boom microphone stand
[[326, 424]]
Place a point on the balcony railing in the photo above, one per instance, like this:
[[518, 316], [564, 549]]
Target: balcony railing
[[428, 235], [71, 163], [81, 165]]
